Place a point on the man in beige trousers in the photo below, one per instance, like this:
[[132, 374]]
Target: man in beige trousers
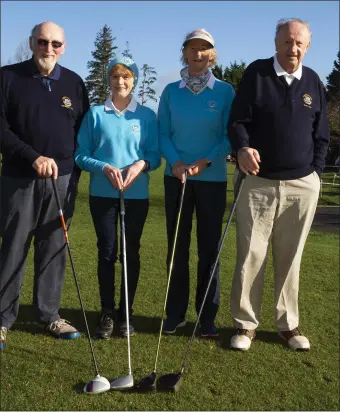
[[278, 126]]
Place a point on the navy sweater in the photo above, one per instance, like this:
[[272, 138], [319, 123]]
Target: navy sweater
[[288, 125], [38, 122]]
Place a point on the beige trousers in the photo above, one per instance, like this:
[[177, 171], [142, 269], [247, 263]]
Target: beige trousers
[[280, 211]]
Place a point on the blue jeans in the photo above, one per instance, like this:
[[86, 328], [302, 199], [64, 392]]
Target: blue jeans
[[105, 213], [209, 201]]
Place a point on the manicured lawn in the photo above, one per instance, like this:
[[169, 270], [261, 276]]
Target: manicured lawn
[[41, 373]]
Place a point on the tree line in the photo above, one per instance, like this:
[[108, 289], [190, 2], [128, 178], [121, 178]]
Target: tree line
[[105, 50]]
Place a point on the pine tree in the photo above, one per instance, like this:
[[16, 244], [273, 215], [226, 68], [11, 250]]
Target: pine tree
[[333, 81], [127, 52], [217, 71], [231, 74], [234, 73], [146, 92], [104, 52]]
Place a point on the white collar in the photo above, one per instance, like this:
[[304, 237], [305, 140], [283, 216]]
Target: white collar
[[210, 83], [131, 107], [280, 71]]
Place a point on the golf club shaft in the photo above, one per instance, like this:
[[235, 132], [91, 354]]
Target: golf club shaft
[[171, 266], [63, 224], [236, 196], [122, 225]]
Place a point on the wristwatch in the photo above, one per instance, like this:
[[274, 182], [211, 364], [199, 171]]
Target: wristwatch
[[208, 163], [147, 166]]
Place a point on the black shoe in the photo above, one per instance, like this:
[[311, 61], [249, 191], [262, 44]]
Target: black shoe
[[208, 330], [105, 325], [170, 325], [123, 330]]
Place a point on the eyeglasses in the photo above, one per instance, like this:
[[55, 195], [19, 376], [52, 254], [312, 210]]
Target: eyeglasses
[[55, 43]]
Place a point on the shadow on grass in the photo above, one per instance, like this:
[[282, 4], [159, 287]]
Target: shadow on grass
[[143, 324]]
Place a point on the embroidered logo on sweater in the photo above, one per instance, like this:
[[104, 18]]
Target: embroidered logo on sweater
[[66, 102], [212, 106], [307, 99], [135, 128]]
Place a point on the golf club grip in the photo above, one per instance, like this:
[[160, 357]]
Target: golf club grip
[[232, 210], [60, 210], [122, 203], [73, 269]]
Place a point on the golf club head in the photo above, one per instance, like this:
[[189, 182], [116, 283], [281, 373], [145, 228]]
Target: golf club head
[[147, 384], [169, 383], [98, 385], [124, 382]]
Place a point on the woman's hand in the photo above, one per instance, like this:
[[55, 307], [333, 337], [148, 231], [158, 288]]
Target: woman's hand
[[114, 175], [196, 168], [132, 172], [178, 170]]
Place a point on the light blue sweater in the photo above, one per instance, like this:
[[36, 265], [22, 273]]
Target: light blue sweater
[[119, 140], [193, 127]]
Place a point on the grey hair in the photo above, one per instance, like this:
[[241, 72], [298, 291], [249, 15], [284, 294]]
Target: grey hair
[[212, 63], [283, 22]]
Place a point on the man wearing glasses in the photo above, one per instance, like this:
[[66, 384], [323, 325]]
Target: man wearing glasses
[[41, 108]]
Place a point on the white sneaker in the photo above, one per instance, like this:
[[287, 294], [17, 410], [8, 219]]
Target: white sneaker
[[3, 334], [295, 339], [62, 329], [242, 339]]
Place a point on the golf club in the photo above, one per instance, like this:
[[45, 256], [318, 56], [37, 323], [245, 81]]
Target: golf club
[[124, 382], [172, 381], [99, 383], [149, 382]]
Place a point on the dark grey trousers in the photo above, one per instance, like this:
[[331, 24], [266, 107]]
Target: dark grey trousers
[[28, 209]]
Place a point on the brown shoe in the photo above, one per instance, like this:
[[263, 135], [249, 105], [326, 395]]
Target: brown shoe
[[242, 339], [295, 339]]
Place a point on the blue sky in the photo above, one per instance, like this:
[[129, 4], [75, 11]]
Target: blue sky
[[243, 30]]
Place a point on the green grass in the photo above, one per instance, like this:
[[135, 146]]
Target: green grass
[[330, 195], [41, 373]]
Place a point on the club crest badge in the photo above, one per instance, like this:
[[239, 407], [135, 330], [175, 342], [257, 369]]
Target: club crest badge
[[66, 102], [126, 60], [135, 128], [307, 99], [212, 106]]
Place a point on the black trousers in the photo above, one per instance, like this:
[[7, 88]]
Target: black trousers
[[209, 201], [105, 215]]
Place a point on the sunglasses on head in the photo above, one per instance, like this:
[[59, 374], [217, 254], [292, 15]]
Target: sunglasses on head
[[55, 43]]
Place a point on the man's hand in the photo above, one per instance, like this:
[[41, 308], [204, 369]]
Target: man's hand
[[45, 167], [133, 172], [114, 175], [178, 170], [248, 160], [196, 168]]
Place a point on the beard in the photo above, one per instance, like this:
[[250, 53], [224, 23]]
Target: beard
[[46, 64]]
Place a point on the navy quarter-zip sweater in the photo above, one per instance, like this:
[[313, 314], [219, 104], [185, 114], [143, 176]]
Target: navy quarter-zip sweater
[[287, 125], [37, 120]]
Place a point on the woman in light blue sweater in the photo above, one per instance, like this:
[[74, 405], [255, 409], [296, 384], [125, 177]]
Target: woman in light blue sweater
[[118, 145], [193, 115]]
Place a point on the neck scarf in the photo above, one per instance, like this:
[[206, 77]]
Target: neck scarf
[[195, 84]]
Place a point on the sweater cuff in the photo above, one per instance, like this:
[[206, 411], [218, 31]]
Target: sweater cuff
[[318, 170], [30, 155]]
